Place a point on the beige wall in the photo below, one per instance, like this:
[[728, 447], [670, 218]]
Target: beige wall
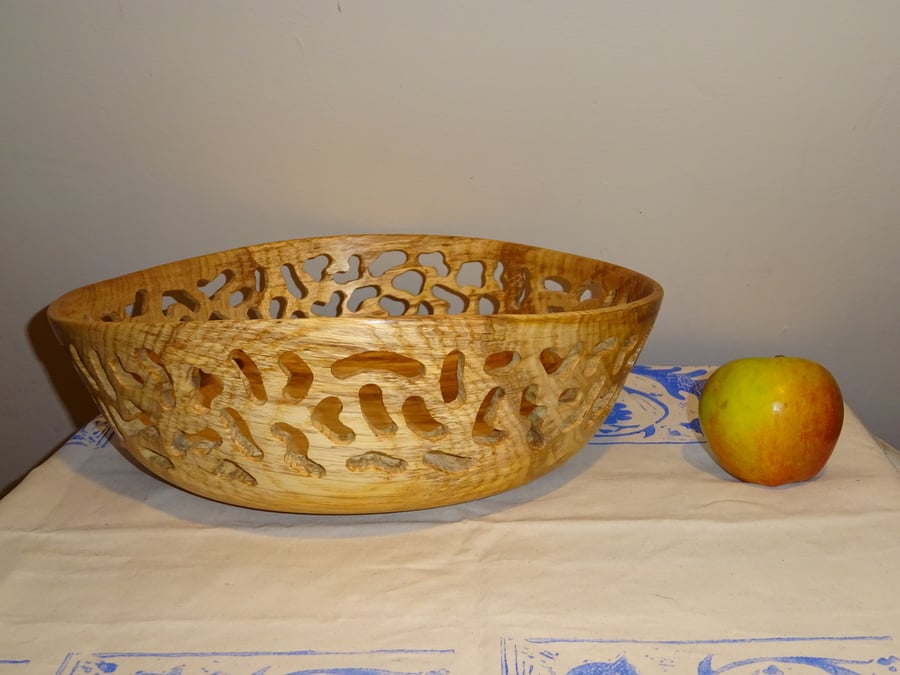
[[746, 154]]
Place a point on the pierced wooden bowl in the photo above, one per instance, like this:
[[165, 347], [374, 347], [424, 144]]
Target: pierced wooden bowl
[[358, 374]]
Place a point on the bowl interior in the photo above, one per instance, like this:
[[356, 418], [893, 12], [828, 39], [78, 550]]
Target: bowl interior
[[365, 275]]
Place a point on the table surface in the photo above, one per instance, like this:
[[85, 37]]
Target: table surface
[[638, 556]]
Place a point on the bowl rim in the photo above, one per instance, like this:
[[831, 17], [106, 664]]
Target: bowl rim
[[64, 309]]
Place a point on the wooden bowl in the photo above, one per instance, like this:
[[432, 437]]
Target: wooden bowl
[[358, 374]]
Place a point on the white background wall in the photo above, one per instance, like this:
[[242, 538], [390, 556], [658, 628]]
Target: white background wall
[[746, 154]]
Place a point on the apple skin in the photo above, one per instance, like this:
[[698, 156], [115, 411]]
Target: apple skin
[[772, 421]]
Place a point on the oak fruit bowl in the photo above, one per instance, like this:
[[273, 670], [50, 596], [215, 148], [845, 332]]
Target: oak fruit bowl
[[358, 374]]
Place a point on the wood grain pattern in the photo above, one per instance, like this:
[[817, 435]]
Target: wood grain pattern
[[358, 374]]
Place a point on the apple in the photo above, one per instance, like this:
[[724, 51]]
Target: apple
[[772, 421]]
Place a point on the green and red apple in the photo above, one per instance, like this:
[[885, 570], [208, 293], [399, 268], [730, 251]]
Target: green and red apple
[[772, 421]]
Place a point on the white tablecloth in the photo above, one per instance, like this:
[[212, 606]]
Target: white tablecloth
[[638, 556]]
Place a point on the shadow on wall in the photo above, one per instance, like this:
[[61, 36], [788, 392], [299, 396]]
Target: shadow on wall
[[62, 376], [60, 371]]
